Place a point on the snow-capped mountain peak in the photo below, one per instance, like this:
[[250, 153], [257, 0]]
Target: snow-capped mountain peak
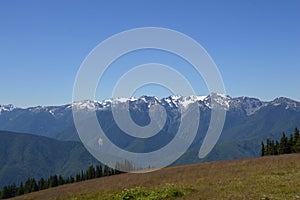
[[6, 108], [288, 103], [122, 100], [247, 104], [217, 101], [220, 101], [86, 104]]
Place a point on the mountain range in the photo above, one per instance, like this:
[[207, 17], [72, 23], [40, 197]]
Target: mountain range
[[243, 113], [248, 122]]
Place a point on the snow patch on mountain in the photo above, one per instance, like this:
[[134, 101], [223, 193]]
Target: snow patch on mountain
[[187, 101], [249, 105], [123, 100], [214, 100], [219, 101], [86, 105], [288, 103], [7, 108]]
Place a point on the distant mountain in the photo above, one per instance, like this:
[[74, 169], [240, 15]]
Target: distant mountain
[[25, 156], [248, 122]]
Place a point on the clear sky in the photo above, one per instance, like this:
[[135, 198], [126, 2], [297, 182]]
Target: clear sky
[[255, 44]]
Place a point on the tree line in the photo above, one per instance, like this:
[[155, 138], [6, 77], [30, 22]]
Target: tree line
[[285, 145], [31, 185]]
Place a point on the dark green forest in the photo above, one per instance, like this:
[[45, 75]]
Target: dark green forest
[[31, 185], [285, 145]]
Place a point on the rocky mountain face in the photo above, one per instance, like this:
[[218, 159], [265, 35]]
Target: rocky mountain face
[[248, 122]]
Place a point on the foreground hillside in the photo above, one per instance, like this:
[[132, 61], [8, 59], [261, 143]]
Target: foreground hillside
[[275, 177]]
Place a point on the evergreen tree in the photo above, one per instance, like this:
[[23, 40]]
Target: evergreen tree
[[99, 172], [53, 181], [90, 173], [296, 133], [13, 190], [71, 179], [291, 144], [5, 192], [296, 147], [276, 148], [27, 187], [83, 176], [67, 180], [272, 147], [61, 181], [33, 185], [107, 171], [78, 177], [268, 148], [283, 145], [20, 189], [41, 184]]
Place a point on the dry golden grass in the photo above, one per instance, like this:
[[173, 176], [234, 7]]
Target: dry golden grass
[[260, 178]]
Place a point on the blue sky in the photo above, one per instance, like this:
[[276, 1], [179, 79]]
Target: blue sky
[[255, 44]]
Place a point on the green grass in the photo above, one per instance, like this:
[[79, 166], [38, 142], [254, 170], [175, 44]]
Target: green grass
[[272, 177], [167, 191], [158, 193]]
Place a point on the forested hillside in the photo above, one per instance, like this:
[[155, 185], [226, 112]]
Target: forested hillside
[[24, 156]]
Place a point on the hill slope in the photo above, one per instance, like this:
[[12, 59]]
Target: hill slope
[[25, 156], [260, 178]]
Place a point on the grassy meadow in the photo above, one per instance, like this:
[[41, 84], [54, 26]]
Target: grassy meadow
[[272, 177]]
